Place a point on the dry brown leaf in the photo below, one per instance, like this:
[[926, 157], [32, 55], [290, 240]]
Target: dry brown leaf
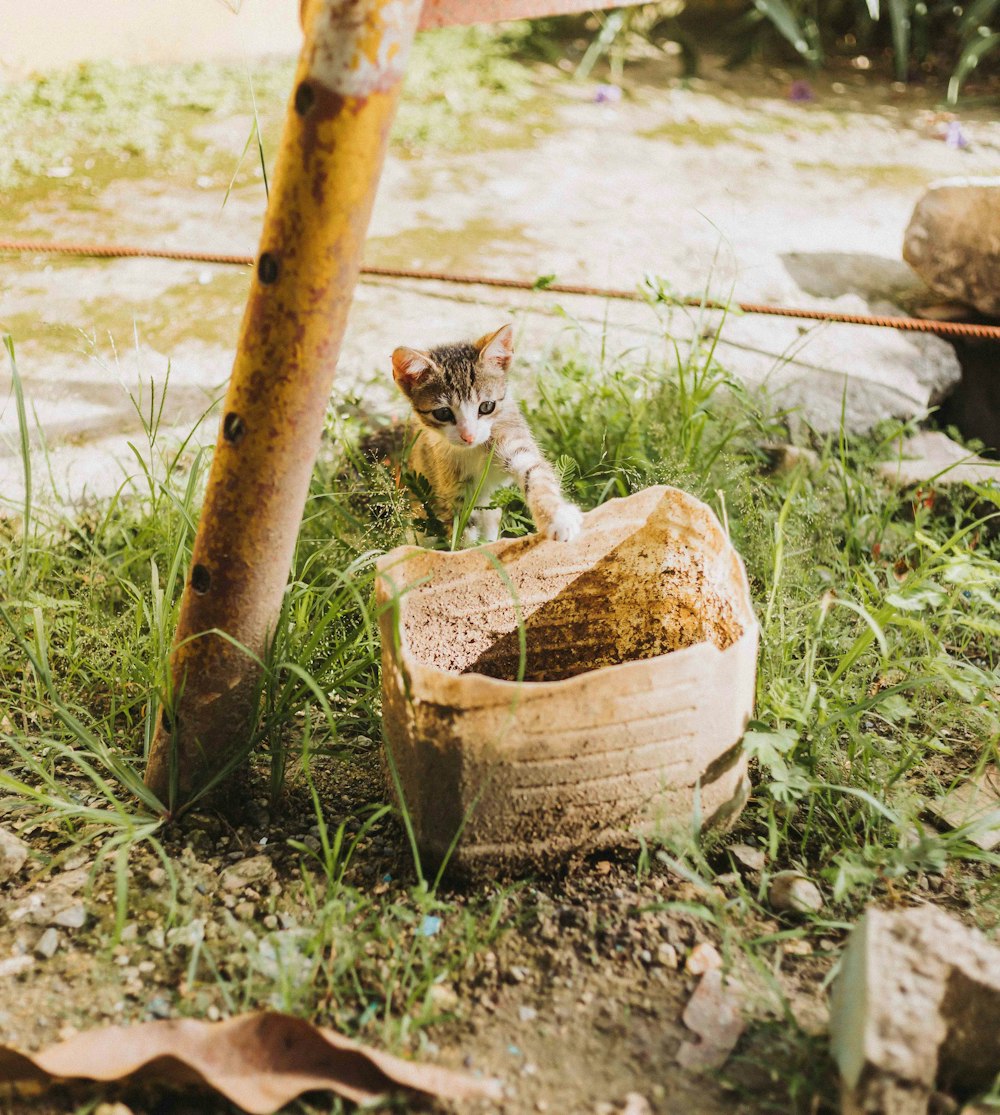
[[258, 1061]]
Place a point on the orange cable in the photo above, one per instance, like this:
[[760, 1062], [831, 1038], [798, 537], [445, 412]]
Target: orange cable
[[906, 324]]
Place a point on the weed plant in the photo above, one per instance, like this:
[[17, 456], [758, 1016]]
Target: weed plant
[[878, 680]]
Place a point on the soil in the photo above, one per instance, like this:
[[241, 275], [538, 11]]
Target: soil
[[574, 1006]]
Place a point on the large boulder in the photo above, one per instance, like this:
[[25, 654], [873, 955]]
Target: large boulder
[[953, 241]]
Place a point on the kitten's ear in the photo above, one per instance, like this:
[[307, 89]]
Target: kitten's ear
[[409, 366], [497, 348]]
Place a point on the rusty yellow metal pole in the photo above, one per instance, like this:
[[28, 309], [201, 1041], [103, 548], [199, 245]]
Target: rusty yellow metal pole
[[346, 90]]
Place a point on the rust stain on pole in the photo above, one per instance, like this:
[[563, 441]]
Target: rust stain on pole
[[344, 99]]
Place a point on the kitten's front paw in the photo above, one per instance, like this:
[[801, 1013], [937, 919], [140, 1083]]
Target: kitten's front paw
[[565, 524]]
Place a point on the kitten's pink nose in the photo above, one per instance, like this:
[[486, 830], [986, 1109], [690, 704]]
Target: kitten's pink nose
[[467, 436]]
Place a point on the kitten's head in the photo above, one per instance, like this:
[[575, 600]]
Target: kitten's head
[[457, 390]]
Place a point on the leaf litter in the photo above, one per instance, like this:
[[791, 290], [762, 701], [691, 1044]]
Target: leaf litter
[[259, 1061]]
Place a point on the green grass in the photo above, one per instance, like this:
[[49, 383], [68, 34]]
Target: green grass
[[457, 79], [877, 691]]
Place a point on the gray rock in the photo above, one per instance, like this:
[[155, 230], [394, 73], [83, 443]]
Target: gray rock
[[15, 966], [790, 892], [47, 945], [247, 873], [828, 375], [931, 455], [748, 857], [13, 854], [915, 1007], [70, 917], [953, 241]]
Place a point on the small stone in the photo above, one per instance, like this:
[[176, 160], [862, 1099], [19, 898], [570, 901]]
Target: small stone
[[248, 872], [527, 1014], [245, 911], [157, 876], [792, 892], [602, 867], [976, 804], [130, 933], [156, 938], [271, 921], [444, 997], [518, 974], [47, 945], [15, 966], [749, 858], [13, 854], [159, 1007], [666, 955], [636, 1104], [71, 917], [187, 936], [112, 1109], [715, 1013], [704, 957], [145, 967], [930, 455]]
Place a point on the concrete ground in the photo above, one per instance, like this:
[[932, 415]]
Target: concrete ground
[[724, 184]]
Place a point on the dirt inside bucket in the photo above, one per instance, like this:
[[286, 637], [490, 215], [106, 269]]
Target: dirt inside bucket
[[633, 603]]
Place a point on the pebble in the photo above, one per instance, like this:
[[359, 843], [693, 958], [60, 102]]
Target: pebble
[[271, 921], [159, 1007], [790, 892], [156, 938], [704, 957], [245, 911], [71, 917], [15, 965], [157, 876], [444, 997], [636, 1104], [666, 955], [518, 974], [752, 859], [527, 1014], [248, 872], [112, 1109], [47, 945]]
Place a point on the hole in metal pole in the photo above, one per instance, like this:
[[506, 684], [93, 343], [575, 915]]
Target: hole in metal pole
[[201, 579], [267, 268], [233, 428], [305, 98]]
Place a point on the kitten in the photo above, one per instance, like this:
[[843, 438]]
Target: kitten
[[461, 397]]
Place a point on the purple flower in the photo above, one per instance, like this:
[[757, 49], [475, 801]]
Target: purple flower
[[607, 94], [800, 92]]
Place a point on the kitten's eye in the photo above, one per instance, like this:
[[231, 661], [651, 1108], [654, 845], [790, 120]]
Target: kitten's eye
[[488, 407], [443, 414]]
